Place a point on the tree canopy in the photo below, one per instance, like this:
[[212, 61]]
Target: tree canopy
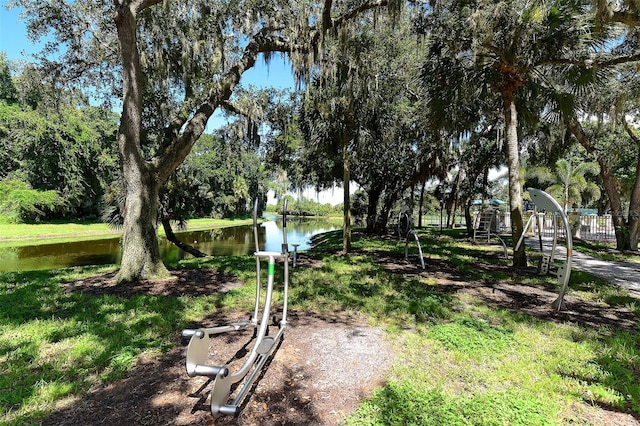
[[395, 93]]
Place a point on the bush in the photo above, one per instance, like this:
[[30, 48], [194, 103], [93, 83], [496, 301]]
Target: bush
[[306, 207], [20, 203]]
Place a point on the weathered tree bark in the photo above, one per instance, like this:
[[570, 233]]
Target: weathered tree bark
[[346, 178], [171, 236], [373, 196], [383, 217], [457, 189], [452, 201], [513, 164], [420, 203], [468, 219], [140, 250], [634, 199], [617, 215]]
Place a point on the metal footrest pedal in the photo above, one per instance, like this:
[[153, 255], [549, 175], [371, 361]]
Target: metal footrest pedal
[[265, 346], [543, 267]]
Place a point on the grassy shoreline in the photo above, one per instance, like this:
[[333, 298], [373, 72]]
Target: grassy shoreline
[[16, 235]]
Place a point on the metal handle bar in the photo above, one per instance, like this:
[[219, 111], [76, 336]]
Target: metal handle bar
[[211, 370]]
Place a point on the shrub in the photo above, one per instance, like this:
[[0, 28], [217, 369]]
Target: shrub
[[306, 207], [20, 203]]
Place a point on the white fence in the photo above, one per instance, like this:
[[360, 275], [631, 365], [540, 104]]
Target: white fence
[[586, 227], [592, 227]]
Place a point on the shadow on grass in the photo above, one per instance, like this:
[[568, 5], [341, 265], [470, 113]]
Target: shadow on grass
[[61, 334], [455, 269], [122, 322]]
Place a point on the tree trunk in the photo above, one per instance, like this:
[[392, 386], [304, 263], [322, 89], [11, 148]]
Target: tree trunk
[[634, 198], [448, 207], [634, 210], [452, 202], [424, 183], [140, 251], [372, 209], [626, 232], [513, 164], [617, 214], [383, 217], [468, 218], [346, 178], [457, 195], [168, 230]]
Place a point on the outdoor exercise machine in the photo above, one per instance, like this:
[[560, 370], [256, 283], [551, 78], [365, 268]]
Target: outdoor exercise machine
[[546, 202], [406, 232], [198, 350]]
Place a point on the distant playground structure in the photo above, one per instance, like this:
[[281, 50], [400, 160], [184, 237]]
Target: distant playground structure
[[585, 224]]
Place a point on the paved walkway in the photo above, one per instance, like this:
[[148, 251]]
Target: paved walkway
[[624, 274]]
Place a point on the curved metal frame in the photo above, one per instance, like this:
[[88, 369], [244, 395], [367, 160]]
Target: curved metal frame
[[402, 233], [546, 202], [406, 247], [264, 345]]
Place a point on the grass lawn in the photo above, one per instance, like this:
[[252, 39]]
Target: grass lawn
[[605, 251], [463, 361]]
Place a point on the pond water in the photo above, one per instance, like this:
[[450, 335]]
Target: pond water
[[237, 240]]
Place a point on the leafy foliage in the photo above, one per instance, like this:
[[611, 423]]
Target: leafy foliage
[[572, 183], [307, 207], [20, 203], [53, 140], [7, 88]]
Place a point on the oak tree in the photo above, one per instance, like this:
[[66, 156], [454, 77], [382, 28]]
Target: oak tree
[[173, 64]]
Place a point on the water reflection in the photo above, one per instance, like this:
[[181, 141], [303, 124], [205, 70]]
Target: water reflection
[[237, 240]]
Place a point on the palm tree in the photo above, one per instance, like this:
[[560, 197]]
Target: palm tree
[[571, 184], [505, 55], [330, 122]]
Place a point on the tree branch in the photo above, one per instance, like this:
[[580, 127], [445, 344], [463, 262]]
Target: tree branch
[[575, 128], [629, 131], [340, 20], [171, 155], [141, 5], [177, 147], [329, 23]]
